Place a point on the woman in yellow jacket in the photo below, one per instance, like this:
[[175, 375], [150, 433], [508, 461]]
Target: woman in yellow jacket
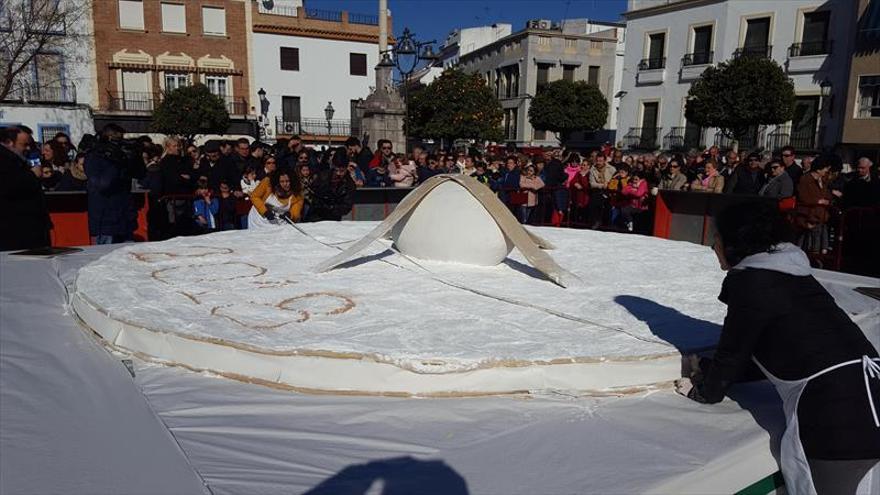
[[278, 195]]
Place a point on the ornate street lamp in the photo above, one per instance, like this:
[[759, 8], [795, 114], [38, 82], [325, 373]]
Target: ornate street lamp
[[827, 96], [328, 113], [407, 54]]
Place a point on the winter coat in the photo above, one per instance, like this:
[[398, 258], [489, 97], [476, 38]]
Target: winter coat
[[109, 169], [172, 168], [262, 193], [778, 313], [778, 187], [23, 213], [404, 175], [554, 173], [600, 179], [809, 211], [570, 171], [635, 196], [207, 210], [715, 184], [377, 178], [744, 181], [580, 198], [531, 185], [223, 169], [677, 182], [859, 192], [331, 199]]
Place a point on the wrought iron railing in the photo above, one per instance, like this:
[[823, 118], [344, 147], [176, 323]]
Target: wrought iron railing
[[316, 127], [697, 58], [366, 19], [133, 101], [324, 15], [683, 139], [50, 93], [780, 137], [644, 138], [807, 48], [764, 51], [754, 139], [284, 10], [652, 63], [235, 105]]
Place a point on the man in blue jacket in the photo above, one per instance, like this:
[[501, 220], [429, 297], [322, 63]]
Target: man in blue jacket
[[110, 167]]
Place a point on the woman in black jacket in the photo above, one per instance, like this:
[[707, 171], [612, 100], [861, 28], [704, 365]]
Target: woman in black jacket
[[824, 368]]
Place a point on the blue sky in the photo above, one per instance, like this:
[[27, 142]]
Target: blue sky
[[433, 19]]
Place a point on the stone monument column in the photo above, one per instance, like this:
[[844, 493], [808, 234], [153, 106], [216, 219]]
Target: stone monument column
[[384, 109]]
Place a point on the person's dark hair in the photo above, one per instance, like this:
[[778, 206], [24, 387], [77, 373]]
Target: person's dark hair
[[637, 173], [352, 141], [153, 151], [751, 228], [112, 131], [382, 142], [788, 148], [87, 142], [827, 160], [624, 168], [9, 134], [250, 169], [59, 153], [275, 181], [243, 140], [60, 134]]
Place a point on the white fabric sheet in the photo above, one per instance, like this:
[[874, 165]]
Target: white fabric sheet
[[71, 419], [73, 422]]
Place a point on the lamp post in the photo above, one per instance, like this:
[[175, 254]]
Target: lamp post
[[827, 96], [408, 52], [264, 111], [328, 113]]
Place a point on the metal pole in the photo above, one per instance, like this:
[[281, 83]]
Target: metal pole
[[329, 141]]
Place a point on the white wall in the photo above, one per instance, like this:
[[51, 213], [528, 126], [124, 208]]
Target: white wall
[[729, 25], [323, 74], [78, 119]]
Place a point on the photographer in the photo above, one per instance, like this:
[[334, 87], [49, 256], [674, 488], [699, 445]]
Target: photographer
[[110, 167]]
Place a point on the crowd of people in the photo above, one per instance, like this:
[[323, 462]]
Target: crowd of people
[[225, 185]]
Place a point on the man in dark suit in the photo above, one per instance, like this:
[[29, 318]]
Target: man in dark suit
[[23, 212]]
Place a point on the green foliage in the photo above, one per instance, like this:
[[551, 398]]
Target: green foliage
[[455, 106], [189, 111], [740, 93], [565, 106]]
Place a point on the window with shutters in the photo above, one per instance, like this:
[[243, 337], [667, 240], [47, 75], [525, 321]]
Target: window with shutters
[[173, 18], [290, 112], [131, 14], [869, 97], [593, 75], [217, 85], [175, 80], [568, 73], [543, 76], [357, 64], [289, 58], [214, 21]]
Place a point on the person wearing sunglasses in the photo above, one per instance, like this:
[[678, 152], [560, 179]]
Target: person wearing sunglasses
[[673, 179], [748, 178], [791, 167], [780, 185]]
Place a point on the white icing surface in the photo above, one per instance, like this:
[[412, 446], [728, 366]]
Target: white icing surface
[[639, 296], [449, 224]]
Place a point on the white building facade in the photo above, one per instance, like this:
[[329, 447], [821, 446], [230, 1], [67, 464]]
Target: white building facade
[[55, 91], [671, 42], [302, 60]]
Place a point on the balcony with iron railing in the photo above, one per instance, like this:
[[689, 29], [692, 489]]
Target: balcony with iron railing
[[697, 58], [49, 93], [642, 138], [146, 102], [693, 64], [803, 139], [319, 14], [755, 138], [651, 70], [763, 51], [316, 127], [808, 56], [683, 139]]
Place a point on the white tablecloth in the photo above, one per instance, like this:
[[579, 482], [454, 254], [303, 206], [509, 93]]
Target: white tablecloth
[[72, 420]]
